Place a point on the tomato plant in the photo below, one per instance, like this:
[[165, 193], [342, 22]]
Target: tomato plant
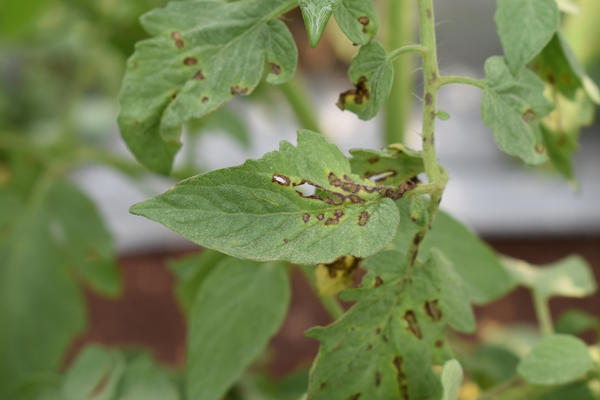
[[306, 206]]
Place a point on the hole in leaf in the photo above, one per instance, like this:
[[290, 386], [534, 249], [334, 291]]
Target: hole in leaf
[[381, 176], [306, 189]]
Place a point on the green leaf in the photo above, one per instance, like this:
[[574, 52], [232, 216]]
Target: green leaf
[[512, 106], [191, 271], [452, 376], [575, 322], [357, 18], [391, 166], [525, 27], [372, 74], [569, 277], [477, 264], [202, 54], [83, 238], [385, 345], [264, 210], [95, 373], [144, 380], [491, 365], [442, 115], [237, 295], [557, 359]]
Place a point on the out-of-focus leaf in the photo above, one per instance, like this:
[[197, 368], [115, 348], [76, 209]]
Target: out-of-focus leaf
[[144, 380], [241, 304], [575, 322], [490, 365], [300, 204], [390, 166], [452, 376], [525, 27], [372, 74], [223, 120], [202, 54], [384, 346], [512, 106], [557, 359]]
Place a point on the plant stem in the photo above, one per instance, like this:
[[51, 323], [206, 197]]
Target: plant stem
[[401, 27], [329, 303], [298, 98], [431, 83], [446, 80], [409, 48], [542, 311]]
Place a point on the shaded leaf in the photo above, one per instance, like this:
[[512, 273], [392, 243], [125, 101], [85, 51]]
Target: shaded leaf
[[385, 345], [357, 18], [575, 322], [512, 106], [491, 365], [452, 376], [221, 345], [390, 166], [525, 27], [144, 380], [372, 74], [300, 204], [557, 359], [202, 54]]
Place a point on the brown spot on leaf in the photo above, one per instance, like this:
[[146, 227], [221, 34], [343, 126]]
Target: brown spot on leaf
[[358, 94], [378, 331], [413, 325], [306, 218], [401, 377], [378, 281], [355, 396], [363, 218], [528, 115], [322, 385], [439, 343], [369, 347], [199, 75], [539, 148], [331, 221], [428, 99], [276, 68], [177, 39], [373, 160], [364, 21], [433, 310], [173, 95], [550, 78], [377, 378], [238, 90], [190, 61], [204, 99], [285, 240], [281, 179], [320, 217]]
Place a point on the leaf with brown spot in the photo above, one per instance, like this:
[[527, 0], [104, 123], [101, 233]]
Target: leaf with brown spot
[[390, 166]]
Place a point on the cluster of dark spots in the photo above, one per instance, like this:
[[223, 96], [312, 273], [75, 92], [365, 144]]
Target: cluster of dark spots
[[198, 75], [188, 61], [276, 68], [204, 99], [363, 218], [380, 176], [413, 325], [377, 378], [364, 21], [348, 185], [355, 396], [344, 265], [285, 240], [358, 94], [281, 179], [333, 198], [528, 115], [373, 160], [432, 309], [439, 343], [177, 39], [401, 377], [337, 214], [238, 90], [306, 218], [428, 99], [320, 217], [378, 281]]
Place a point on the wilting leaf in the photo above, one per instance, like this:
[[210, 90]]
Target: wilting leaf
[[236, 296], [557, 359], [385, 345], [372, 74], [202, 54], [390, 166], [512, 106], [357, 18], [525, 27], [300, 204]]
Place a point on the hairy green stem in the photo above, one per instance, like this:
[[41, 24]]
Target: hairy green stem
[[300, 103], [431, 83], [409, 48], [446, 80], [400, 31], [542, 311]]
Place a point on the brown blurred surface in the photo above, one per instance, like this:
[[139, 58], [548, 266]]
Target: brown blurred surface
[[146, 314]]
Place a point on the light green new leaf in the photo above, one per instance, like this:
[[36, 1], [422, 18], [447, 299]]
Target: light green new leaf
[[266, 210], [569, 277], [556, 360], [202, 54], [190, 272], [391, 166], [372, 74], [476, 263], [512, 106], [95, 373], [144, 380], [384, 347], [83, 238], [240, 306], [452, 376], [525, 27], [357, 18]]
